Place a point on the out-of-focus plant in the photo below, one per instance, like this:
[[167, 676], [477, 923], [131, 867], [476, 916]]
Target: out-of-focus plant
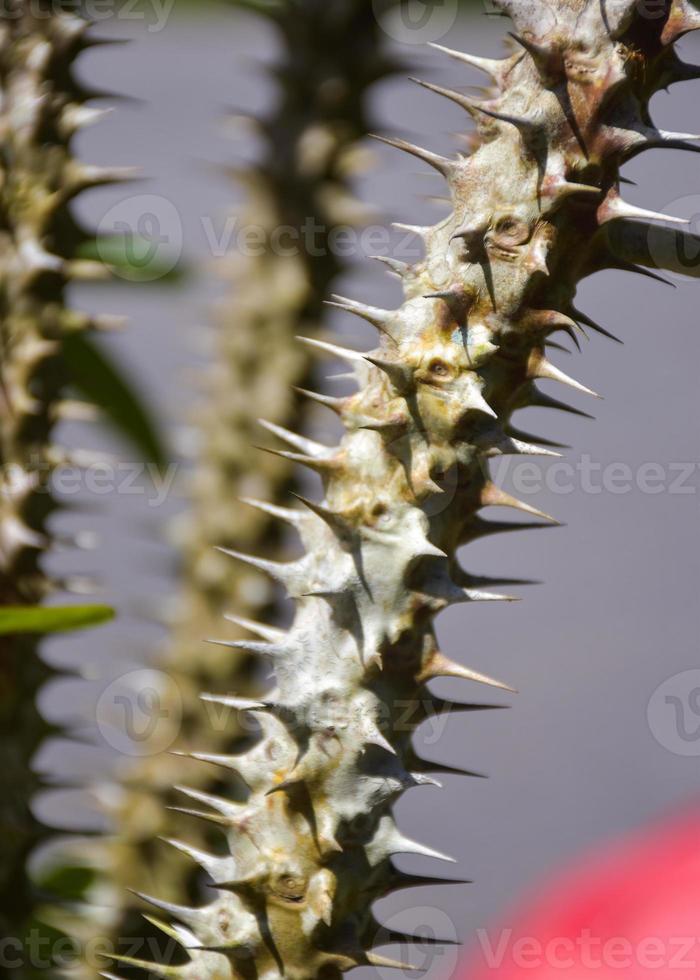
[[331, 55], [48, 370]]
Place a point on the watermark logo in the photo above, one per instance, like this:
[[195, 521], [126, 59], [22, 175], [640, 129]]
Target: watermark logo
[[153, 13], [416, 21], [673, 713], [425, 952], [139, 713], [677, 251], [141, 238], [586, 952]]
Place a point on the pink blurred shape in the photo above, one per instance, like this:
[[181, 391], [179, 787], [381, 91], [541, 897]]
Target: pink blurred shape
[[630, 911]]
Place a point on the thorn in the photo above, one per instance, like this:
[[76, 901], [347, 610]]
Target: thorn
[[344, 353], [218, 803], [400, 375], [399, 269], [373, 314], [477, 403], [477, 109], [508, 446], [335, 404], [558, 191], [614, 207], [527, 127], [301, 443], [540, 53], [376, 959], [491, 66], [546, 370], [480, 528], [441, 666], [443, 165], [239, 704], [373, 736], [334, 520], [319, 465], [275, 569], [404, 879], [293, 517], [494, 496], [428, 765], [151, 968], [528, 437], [476, 595], [640, 270], [462, 100], [538, 399], [595, 326], [419, 230], [268, 633], [177, 911], [404, 845], [420, 780], [393, 936], [199, 815], [165, 927], [88, 175], [256, 647]]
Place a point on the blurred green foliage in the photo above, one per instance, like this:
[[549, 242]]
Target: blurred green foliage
[[51, 619], [101, 379]]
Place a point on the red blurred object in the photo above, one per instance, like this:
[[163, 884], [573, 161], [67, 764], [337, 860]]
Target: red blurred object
[[630, 911]]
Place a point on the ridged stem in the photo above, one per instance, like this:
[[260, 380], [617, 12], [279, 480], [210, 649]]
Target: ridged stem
[[310, 848], [43, 106]]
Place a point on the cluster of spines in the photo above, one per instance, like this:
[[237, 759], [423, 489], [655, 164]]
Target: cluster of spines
[[311, 847], [43, 107]]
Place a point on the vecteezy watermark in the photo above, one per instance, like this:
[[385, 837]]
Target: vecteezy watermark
[[673, 713], [141, 237], [311, 238], [434, 943], [44, 950], [587, 951], [99, 478], [416, 21], [676, 253], [589, 476], [369, 720], [154, 13], [139, 714]]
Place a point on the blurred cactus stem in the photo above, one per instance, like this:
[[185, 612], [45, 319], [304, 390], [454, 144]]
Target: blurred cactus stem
[[331, 55], [42, 107]]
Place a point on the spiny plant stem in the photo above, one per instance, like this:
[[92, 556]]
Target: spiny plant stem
[[43, 106], [310, 848]]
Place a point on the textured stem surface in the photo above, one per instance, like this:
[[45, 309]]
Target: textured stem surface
[[310, 848], [42, 107]]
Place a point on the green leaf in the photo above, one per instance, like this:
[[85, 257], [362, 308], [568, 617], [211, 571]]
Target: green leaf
[[102, 380], [67, 882], [51, 619], [133, 258]]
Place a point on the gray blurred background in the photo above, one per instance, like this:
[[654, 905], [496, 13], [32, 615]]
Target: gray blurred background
[[590, 748]]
